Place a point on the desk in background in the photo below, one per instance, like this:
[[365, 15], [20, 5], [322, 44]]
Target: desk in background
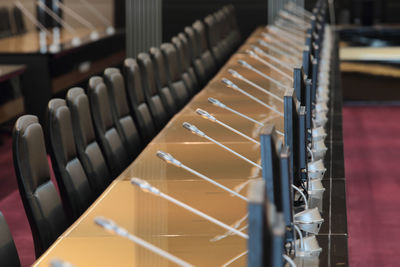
[[11, 100], [51, 73]]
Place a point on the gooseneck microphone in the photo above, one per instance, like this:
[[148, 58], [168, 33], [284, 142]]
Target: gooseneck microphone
[[294, 58], [60, 263], [240, 77], [168, 158], [230, 84], [285, 65], [269, 65], [250, 67], [146, 187], [194, 130], [234, 259], [94, 35], [218, 103], [285, 46], [115, 229], [209, 117]]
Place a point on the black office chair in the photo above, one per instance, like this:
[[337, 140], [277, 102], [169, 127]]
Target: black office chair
[[8, 251], [197, 63], [121, 113], [205, 53], [73, 183], [153, 99], [230, 12], [168, 95], [180, 81], [182, 49], [137, 100], [88, 149], [5, 23], [226, 44], [214, 37], [106, 130], [38, 193], [19, 21]]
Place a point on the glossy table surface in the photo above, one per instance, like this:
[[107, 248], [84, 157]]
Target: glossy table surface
[[9, 71], [162, 223], [29, 42]]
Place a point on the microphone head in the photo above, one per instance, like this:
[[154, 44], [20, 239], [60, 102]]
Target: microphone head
[[229, 83], [145, 186], [251, 53], [60, 263], [168, 158], [193, 129], [235, 73], [205, 114], [244, 63], [216, 102], [257, 49], [110, 226]]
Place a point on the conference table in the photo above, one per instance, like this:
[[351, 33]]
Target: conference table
[[173, 228], [49, 73]]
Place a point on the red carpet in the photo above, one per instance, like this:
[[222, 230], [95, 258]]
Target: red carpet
[[372, 162]]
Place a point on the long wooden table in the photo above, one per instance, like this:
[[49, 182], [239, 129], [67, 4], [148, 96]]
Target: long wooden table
[[173, 228], [51, 73]]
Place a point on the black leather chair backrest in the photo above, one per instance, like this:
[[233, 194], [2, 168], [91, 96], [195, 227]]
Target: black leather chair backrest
[[8, 251], [137, 100], [121, 113], [213, 36], [19, 21], [182, 48], [181, 83], [233, 25], [153, 99], [168, 96], [197, 63], [225, 42], [106, 130], [89, 152], [5, 23], [39, 195], [73, 184], [205, 53]]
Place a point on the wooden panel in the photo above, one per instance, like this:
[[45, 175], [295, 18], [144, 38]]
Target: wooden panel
[[75, 77], [11, 109]]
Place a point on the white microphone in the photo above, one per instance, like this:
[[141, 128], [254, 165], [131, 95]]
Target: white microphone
[[286, 34], [234, 259], [110, 29], [55, 46], [269, 65], [272, 58], [235, 87], [218, 103], [94, 35], [250, 67], [60, 263], [294, 49], [115, 229], [193, 129], [168, 158], [208, 116], [240, 77], [293, 58], [146, 187], [43, 31]]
